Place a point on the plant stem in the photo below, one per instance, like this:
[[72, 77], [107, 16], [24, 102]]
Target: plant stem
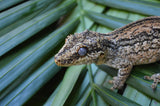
[[91, 83], [82, 14]]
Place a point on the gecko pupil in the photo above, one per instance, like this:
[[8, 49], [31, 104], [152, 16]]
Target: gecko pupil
[[82, 51]]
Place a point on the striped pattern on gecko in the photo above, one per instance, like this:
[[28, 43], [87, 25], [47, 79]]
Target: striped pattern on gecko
[[134, 44]]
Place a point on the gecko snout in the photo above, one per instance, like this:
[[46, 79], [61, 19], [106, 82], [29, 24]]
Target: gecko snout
[[57, 61], [60, 61]]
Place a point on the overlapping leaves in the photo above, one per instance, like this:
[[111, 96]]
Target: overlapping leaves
[[27, 58]]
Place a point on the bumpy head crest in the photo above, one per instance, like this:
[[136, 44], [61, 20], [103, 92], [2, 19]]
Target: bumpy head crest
[[80, 48]]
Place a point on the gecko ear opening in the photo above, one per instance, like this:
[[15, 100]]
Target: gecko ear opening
[[82, 51]]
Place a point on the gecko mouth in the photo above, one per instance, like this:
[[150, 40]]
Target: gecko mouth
[[57, 62], [61, 62]]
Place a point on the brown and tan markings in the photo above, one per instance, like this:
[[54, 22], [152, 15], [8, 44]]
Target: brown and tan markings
[[134, 44]]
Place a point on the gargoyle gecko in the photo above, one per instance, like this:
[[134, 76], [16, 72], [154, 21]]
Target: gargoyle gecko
[[134, 44]]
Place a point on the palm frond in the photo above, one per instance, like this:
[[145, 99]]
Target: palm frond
[[31, 32]]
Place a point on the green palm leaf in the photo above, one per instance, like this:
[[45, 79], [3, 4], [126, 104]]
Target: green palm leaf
[[31, 32]]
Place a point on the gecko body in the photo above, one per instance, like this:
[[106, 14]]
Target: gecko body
[[134, 44]]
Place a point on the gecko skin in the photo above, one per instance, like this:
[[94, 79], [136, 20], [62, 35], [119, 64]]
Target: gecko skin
[[134, 44]]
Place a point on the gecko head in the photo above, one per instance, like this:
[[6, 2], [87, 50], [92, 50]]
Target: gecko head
[[80, 48]]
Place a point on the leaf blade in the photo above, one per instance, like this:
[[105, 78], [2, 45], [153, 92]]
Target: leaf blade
[[113, 98], [20, 34], [31, 85], [67, 84], [138, 6], [28, 58]]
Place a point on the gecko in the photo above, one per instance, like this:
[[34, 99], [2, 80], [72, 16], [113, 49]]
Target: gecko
[[133, 44]]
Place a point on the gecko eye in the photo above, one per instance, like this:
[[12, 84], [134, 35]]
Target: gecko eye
[[82, 51]]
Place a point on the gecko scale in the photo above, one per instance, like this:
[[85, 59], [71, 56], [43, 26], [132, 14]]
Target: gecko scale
[[134, 44]]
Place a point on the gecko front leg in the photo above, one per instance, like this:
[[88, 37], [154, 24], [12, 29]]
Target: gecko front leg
[[123, 73], [155, 78]]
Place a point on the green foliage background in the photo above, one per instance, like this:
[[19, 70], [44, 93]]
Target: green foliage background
[[32, 32]]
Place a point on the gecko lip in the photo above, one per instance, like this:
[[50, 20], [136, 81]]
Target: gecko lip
[[57, 62], [60, 62]]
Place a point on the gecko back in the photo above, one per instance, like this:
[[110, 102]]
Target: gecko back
[[134, 44], [139, 41]]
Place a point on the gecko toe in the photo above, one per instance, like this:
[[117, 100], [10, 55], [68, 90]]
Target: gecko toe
[[112, 88], [110, 81], [156, 80], [117, 83], [154, 87], [147, 77]]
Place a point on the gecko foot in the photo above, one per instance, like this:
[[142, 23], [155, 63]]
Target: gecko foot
[[117, 82], [155, 78]]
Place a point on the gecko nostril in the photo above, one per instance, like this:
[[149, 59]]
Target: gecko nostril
[[57, 61]]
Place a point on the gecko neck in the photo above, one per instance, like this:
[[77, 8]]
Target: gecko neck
[[108, 46], [107, 43]]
